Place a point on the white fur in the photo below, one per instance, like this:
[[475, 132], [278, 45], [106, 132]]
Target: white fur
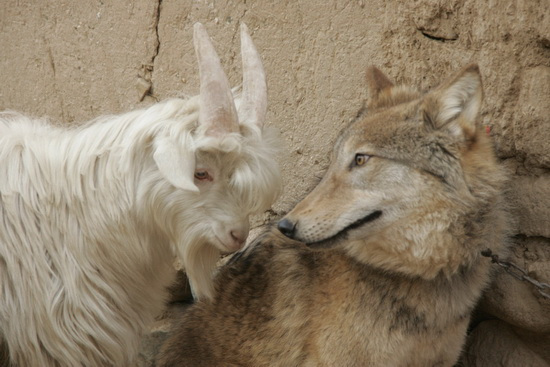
[[91, 218], [463, 97]]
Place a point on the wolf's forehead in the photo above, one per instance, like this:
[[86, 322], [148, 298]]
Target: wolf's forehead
[[377, 129]]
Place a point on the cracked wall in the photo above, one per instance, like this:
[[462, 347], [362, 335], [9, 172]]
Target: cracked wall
[[74, 60]]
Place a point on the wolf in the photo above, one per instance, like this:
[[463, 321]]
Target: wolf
[[380, 265]]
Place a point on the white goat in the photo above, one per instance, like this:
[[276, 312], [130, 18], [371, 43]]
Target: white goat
[[91, 217]]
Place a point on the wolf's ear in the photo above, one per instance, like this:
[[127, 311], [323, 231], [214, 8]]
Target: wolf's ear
[[456, 104], [175, 163], [377, 83]]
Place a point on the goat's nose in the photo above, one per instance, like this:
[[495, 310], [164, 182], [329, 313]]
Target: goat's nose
[[287, 227], [239, 236]]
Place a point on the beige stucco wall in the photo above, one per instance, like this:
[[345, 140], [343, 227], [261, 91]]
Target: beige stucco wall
[[74, 60]]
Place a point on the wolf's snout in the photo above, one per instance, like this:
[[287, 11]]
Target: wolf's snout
[[287, 227]]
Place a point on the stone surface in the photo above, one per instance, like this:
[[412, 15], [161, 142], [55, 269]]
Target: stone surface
[[494, 343], [532, 126], [74, 60], [518, 302], [530, 201]]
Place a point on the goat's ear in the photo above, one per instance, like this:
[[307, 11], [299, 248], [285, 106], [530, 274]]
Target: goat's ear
[[455, 104], [176, 164], [217, 113], [378, 84], [253, 105]]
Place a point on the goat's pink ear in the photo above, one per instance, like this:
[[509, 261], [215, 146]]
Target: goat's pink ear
[[253, 105], [217, 114], [175, 163]]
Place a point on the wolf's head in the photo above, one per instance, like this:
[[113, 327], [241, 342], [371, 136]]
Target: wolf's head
[[412, 186]]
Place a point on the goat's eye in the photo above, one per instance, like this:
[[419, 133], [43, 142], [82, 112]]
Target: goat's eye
[[203, 176], [361, 159]]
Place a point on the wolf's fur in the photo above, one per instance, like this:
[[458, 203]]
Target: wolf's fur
[[402, 232], [91, 218]]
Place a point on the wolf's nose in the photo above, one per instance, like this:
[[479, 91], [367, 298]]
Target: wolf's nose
[[287, 227]]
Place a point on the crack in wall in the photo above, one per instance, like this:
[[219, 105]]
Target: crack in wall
[[437, 38], [145, 79], [156, 26], [55, 84]]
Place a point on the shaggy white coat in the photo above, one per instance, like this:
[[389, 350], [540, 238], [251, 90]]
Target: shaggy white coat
[[91, 218]]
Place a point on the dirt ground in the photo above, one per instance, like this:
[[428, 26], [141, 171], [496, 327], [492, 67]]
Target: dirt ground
[[75, 60]]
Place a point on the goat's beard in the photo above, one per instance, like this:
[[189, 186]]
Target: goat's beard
[[199, 259]]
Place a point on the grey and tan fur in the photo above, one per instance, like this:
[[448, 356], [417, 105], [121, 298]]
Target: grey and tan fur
[[412, 196]]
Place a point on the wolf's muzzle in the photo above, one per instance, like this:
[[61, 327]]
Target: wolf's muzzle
[[288, 228]]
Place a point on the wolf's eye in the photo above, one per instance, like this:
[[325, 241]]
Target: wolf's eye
[[361, 159], [203, 175]]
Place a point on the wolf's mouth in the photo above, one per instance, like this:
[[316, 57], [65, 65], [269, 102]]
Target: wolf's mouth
[[332, 240]]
